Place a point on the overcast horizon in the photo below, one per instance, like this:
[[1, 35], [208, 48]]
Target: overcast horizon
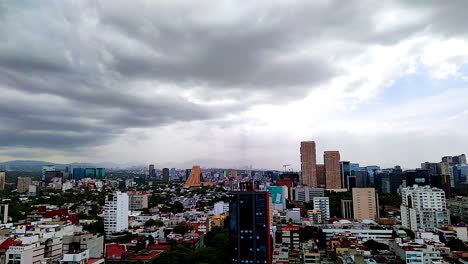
[[233, 82]]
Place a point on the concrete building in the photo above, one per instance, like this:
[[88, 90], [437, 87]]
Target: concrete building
[[30, 253], [116, 213], [92, 243], [137, 200], [323, 204], [321, 178], [365, 204], [3, 213], [22, 184], [220, 208], [412, 252], [2, 180], [308, 163], [423, 208], [347, 209], [290, 235], [332, 169], [459, 207], [306, 194]]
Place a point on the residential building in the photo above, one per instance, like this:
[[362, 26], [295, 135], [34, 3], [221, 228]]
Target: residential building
[[138, 200], [3, 213], [290, 235], [308, 163], [220, 208], [365, 204], [77, 242], [116, 213], [29, 253], [23, 183], [423, 208], [249, 213], [332, 169], [459, 207], [323, 204]]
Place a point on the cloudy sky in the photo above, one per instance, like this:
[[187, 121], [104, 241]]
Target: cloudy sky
[[232, 83]]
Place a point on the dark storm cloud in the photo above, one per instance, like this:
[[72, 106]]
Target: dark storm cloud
[[74, 74]]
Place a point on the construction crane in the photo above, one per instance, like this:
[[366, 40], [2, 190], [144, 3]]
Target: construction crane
[[285, 166]]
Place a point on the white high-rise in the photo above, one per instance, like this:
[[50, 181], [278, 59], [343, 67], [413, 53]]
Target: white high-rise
[[323, 204], [423, 208], [116, 213]]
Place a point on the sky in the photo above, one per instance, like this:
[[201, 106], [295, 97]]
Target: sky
[[233, 83]]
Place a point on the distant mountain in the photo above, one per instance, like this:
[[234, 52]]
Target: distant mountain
[[36, 165]]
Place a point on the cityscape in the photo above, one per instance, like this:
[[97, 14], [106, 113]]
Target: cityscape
[[336, 212], [233, 132]]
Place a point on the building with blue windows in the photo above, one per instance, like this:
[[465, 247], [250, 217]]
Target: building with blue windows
[[250, 227], [78, 173]]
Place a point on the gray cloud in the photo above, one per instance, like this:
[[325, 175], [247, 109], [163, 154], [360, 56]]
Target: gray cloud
[[91, 59]]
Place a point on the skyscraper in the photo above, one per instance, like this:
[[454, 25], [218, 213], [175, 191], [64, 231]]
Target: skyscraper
[[321, 179], [345, 170], [165, 174], [332, 169], [47, 168], [116, 213], [249, 213], [308, 163], [2, 180], [151, 171], [365, 204], [78, 174], [100, 173], [193, 179]]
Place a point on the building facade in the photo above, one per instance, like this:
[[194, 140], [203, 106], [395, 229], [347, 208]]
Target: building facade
[[332, 169], [308, 163], [116, 213], [365, 204], [323, 205], [423, 208]]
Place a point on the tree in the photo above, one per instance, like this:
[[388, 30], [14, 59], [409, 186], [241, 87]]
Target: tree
[[153, 222], [150, 240], [456, 244], [374, 245], [182, 228], [141, 244], [177, 207]]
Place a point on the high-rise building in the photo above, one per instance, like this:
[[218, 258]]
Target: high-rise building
[[249, 213], [443, 168], [321, 178], [137, 200], [323, 205], [442, 182], [345, 170], [417, 176], [100, 173], [47, 168], [332, 169], [347, 209], [173, 174], [23, 184], [50, 175], [151, 171], [165, 174], [78, 174], [116, 213], [309, 163], [90, 173], [2, 180], [193, 179], [365, 204], [423, 207], [431, 167], [3, 213]]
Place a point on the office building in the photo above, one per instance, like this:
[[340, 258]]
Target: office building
[[321, 179], [305, 194], [431, 167], [443, 168], [47, 168], [365, 204], [347, 209], [173, 174], [332, 169], [193, 179], [165, 174], [323, 205], [3, 213], [22, 184], [2, 180], [78, 173], [309, 163], [371, 172], [151, 171], [100, 173], [423, 208], [345, 170], [116, 213], [53, 176], [137, 200], [249, 214], [419, 177]]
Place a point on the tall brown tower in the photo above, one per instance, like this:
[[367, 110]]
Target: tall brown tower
[[308, 163], [321, 179], [332, 169], [194, 178]]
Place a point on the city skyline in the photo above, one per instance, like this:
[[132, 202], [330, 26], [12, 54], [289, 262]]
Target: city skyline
[[383, 83]]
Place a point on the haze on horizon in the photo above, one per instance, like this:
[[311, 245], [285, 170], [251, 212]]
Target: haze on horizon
[[233, 82]]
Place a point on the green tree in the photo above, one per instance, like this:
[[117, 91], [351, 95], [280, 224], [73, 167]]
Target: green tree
[[374, 245], [182, 228], [456, 244], [177, 207]]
